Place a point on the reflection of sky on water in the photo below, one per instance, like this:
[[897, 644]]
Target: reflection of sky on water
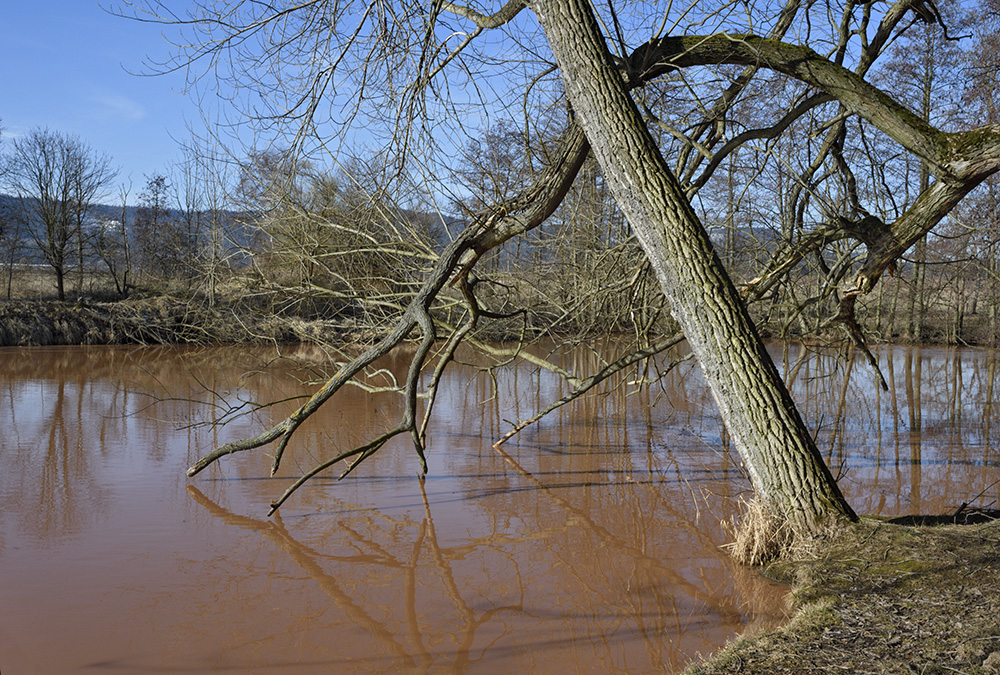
[[927, 444]]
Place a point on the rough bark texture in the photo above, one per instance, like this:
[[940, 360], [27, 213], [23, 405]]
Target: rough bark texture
[[780, 456]]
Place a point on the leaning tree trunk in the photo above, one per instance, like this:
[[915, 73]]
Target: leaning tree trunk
[[783, 462]]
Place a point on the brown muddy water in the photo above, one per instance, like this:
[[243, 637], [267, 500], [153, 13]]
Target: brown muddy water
[[589, 545]]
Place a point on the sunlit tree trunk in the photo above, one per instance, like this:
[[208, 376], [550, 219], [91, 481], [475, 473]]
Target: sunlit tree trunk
[[777, 449]]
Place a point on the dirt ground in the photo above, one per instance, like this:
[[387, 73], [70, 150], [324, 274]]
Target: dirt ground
[[917, 595]]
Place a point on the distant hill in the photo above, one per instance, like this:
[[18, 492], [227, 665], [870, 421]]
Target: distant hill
[[10, 207], [238, 238]]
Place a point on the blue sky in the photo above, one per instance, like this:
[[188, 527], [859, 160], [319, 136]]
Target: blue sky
[[64, 67]]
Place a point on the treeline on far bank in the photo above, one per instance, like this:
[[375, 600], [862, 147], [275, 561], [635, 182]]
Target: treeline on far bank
[[292, 252], [547, 286]]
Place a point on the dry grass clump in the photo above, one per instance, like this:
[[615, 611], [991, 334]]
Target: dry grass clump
[[760, 536]]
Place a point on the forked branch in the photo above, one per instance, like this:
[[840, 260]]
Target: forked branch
[[489, 230]]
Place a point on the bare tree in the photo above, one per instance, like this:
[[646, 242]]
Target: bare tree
[[155, 229], [9, 232], [981, 218], [114, 248], [57, 178], [923, 69], [622, 73], [203, 205], [329, 243]]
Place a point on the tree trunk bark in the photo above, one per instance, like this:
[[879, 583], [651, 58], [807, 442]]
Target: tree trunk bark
[[784, 464], [60, 286]]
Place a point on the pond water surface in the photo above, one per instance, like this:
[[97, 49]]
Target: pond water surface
[[589, 544]]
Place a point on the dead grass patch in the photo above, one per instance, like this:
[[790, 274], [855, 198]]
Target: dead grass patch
[[759, 536]]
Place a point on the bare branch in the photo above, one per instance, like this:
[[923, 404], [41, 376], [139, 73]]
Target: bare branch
[[802, 63], [504, 15], [582, 386], [491, 229]]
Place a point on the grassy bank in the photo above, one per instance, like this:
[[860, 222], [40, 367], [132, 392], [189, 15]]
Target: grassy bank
[[885, 597]]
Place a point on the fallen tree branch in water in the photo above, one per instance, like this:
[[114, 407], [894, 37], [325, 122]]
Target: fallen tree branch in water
[[583, 386], [489, 230]]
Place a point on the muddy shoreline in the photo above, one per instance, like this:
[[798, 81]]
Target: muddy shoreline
[[165, 319], [156, 320]]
